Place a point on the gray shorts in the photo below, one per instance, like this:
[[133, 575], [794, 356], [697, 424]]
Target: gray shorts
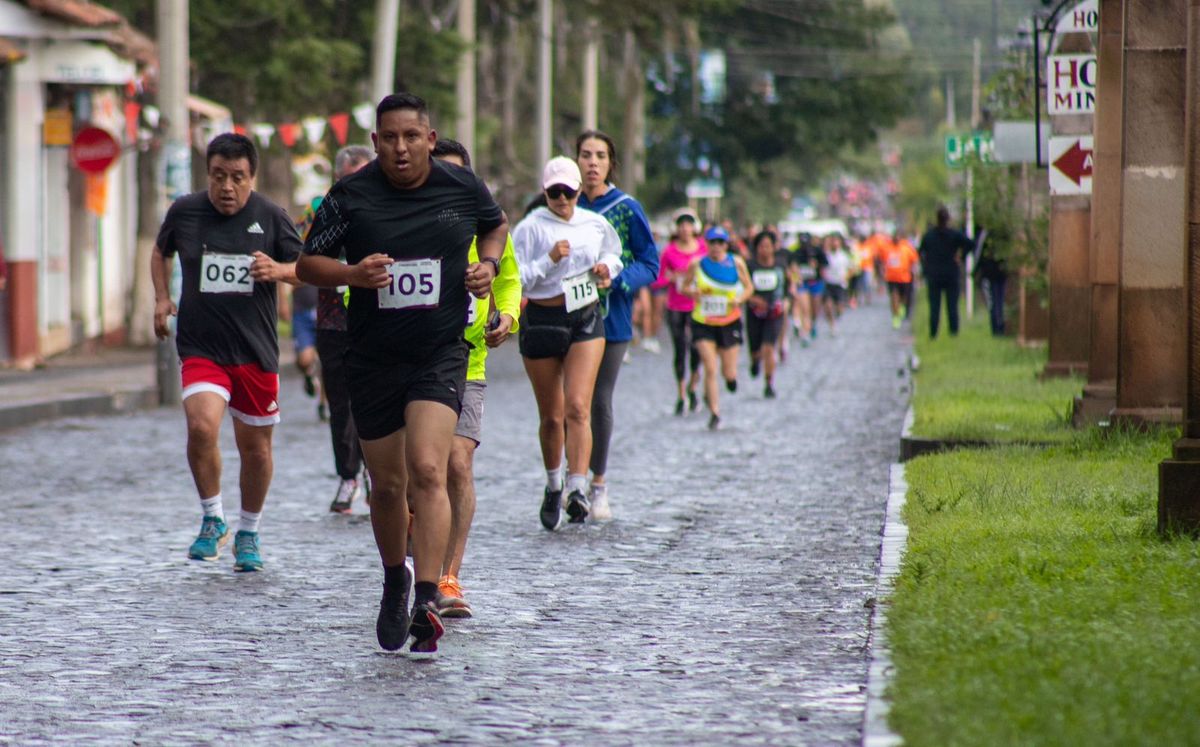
[[470, 420]]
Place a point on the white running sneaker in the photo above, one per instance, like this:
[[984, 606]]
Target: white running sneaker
[[651, 345], [601, 511]]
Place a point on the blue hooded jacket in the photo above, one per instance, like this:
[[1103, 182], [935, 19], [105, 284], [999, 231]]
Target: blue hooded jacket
[[639, 255]]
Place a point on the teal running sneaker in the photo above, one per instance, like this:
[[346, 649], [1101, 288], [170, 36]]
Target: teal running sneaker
[[213, 535], [245, 552]]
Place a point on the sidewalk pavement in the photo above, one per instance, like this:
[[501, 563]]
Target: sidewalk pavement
[[103, 382], [99, 383]]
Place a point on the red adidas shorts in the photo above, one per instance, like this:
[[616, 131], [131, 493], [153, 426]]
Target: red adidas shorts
[[252, 393]]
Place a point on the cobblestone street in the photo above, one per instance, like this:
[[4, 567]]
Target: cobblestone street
[[727, 602]]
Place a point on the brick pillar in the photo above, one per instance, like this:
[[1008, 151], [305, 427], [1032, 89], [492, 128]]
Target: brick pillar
[[1151, 318], [1179, 477], [1100, 393]]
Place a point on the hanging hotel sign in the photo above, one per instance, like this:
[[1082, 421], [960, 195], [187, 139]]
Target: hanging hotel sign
[[1071, 83]]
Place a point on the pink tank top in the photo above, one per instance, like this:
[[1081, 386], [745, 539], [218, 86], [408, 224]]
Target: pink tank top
[[673, 266]]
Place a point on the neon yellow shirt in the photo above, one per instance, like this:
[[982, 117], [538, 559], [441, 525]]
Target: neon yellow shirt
[[507, 290]]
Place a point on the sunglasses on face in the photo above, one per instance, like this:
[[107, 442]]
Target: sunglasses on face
[[559, 190]]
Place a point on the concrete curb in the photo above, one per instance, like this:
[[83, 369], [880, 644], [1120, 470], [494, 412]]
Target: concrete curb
[[26, 413], [876, 732]]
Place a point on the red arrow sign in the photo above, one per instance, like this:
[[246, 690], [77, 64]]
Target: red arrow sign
[[1075, 163]]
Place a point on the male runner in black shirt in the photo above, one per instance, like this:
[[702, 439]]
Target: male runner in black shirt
[[405, 223], [233, 244]]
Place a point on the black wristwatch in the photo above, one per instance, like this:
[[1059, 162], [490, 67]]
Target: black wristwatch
[[495, 263]]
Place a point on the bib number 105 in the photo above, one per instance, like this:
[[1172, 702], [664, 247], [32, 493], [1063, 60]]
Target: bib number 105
[[413, 284]]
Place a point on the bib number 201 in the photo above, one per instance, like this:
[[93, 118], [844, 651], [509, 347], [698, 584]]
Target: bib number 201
[[226, 273], [413, 284]]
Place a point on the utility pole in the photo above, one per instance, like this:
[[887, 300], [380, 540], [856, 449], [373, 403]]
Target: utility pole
[[545, 79], [383, 62], [975, 118], [465, 125], [591, 82], [176, 171]]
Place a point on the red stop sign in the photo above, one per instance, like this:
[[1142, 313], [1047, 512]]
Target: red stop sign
[[93, 150]]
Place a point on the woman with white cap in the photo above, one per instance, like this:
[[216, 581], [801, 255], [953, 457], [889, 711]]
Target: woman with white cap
[[566, 257]]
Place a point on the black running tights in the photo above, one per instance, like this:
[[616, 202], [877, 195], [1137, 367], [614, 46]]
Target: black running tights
[[680, 323], [602, 407]]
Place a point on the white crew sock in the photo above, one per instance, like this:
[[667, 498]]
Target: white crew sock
[[554, 479], [212, 507], [576, 483], [249, 521]]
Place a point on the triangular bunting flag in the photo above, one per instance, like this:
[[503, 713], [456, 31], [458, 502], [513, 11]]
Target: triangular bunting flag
[[239, 129], [263, 132], [314, 129], [133, 110], [364, 116], [288, 133], [340, 124]]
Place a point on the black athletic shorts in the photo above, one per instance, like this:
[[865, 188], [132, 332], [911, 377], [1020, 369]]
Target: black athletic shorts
[[761, 330], [379, 393], [726, 336], [835, 293], [898, 287], [549, 331]]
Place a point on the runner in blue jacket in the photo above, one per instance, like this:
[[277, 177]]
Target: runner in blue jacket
[[596, 153]]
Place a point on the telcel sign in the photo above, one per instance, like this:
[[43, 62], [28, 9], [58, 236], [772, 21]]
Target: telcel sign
[[1071, 83]]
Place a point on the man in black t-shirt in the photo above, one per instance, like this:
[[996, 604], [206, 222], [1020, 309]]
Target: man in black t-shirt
[[405, 224], [233, 245]]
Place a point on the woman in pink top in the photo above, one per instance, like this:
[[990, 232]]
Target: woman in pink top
[[673, 263]]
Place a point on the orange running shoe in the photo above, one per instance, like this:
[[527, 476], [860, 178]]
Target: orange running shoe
[[451, 601]]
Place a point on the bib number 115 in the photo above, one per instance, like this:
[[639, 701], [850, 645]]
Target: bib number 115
[[413, 284]]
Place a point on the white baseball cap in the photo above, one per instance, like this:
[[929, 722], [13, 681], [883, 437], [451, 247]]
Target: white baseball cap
[[561, 170]]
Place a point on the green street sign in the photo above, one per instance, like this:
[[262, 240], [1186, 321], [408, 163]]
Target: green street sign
[[961, 146]]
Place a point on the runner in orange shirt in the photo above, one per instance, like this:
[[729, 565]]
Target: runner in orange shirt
[[899, 257]]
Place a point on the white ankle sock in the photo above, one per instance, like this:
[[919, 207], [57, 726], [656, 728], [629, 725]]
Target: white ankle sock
[[554, 480], [576, 483], [212, 507], [249, 521]]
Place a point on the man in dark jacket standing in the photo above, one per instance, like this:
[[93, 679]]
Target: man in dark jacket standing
[[942, 250]]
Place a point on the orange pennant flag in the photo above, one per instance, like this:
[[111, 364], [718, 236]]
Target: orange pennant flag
[[340, 124]]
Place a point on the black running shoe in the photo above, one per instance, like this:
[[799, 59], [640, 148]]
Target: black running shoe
[[392, 626], [679, 407], [754, 366], [310, 385], [693, 401], [714, 422], [731, 385], [426, 628], [551, 509], [578, 507], [769, 392]]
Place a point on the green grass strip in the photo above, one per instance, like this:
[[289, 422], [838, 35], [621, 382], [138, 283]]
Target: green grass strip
[[978, 387], [1036, 606]]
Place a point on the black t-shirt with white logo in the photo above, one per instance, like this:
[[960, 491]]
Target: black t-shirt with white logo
[[428, 232], [224, 315]]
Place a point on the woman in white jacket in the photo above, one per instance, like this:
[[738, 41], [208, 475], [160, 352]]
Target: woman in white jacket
[[567, 257]]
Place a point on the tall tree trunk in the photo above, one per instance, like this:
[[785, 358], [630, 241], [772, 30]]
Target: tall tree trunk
[[141, 320], [632, 139]]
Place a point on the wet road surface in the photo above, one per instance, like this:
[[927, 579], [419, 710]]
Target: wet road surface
[[727, 601]]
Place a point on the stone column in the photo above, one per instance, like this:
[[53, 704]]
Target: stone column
[[1179, 477], [1100, 393], [1151, 318]]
